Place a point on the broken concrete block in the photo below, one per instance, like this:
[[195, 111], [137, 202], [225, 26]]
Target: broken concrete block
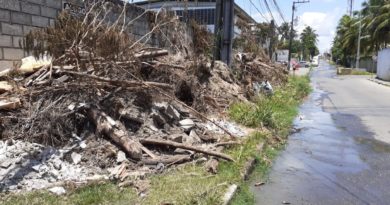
[[193, 135], [176, 138], [187, 124], [76, 158], [57, 164], [36, 168], [120, 157], [57, 190], [191, 139], [6, 164], [172, 113], [158, 120]]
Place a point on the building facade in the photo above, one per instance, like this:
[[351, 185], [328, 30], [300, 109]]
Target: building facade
[[202, 11]]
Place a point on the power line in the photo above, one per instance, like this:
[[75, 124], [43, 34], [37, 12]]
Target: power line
[[270, 12], [262, 15], [279, 11]]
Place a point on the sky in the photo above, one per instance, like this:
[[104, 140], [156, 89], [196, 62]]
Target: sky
[[322, 15]]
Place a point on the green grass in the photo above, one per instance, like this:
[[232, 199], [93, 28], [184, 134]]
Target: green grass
[[276, 112], [352, 71], [107, 193], [191, 183], [360, 72]]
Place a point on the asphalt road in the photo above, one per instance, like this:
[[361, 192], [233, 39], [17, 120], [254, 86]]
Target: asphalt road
[[341, 154]]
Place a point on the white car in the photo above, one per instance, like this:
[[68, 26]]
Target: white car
[[314, 62]]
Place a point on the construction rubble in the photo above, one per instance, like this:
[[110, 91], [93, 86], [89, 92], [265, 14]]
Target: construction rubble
[[90, 112]]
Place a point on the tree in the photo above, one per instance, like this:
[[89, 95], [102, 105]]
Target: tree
[[375, 27], [309, 41]]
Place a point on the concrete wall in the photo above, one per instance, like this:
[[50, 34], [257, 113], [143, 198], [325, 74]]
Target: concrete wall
[[19, 17], [383, 68]]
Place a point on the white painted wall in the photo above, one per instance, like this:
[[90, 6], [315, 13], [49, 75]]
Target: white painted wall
[[383, 68]]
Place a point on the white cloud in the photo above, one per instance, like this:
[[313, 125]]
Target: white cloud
[[324, 24]]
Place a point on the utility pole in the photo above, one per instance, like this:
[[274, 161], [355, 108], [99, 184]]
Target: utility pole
[[224, 30], [271, 42], [292, 31], [358, 46], [350, 7]]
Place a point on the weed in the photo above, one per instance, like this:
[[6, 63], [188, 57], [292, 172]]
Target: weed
[[275, 112]]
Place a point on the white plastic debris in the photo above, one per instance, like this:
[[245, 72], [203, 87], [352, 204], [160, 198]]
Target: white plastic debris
[[76, 158], [187, 124], [120, 157], [58, 190]]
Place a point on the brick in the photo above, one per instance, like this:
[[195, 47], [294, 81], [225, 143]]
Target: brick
[[10, 5], [5, 41], [6, 64], [48, 12], [27, 29], [30, 8], [13, 53], [40, 21], [17, 41], [11, 29], [57, 4], [5, 16], [20, 18], [52, 22], [40, 2]]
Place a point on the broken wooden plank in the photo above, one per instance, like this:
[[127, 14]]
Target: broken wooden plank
[[5, 87], [187, 147], [122, 83], [176, 159], [112, 129], [10, 104], [151, 54]]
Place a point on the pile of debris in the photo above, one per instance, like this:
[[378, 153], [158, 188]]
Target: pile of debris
[[252, 69], [90, 114]]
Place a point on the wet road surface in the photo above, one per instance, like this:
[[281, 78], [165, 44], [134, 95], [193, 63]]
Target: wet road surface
[[340, 156]]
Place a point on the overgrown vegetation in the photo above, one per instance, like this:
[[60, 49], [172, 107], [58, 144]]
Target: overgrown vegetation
[[375, 27], [275, 112], [352, 72]]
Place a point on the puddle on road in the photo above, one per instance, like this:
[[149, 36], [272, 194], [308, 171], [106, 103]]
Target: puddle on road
[[374, 144], [309, 170]]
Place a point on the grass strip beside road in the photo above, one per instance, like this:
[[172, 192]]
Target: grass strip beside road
[[191, 183], [277, 113]]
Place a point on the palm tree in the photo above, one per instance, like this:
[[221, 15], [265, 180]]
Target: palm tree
[[284, 31], [376, 24], [309, 41]]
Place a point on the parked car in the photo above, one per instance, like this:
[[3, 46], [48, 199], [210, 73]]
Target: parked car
[[303, 64], [314, 62]]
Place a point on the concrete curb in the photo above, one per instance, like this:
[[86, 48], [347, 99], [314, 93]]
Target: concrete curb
[[380, 82], [246, 172]]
